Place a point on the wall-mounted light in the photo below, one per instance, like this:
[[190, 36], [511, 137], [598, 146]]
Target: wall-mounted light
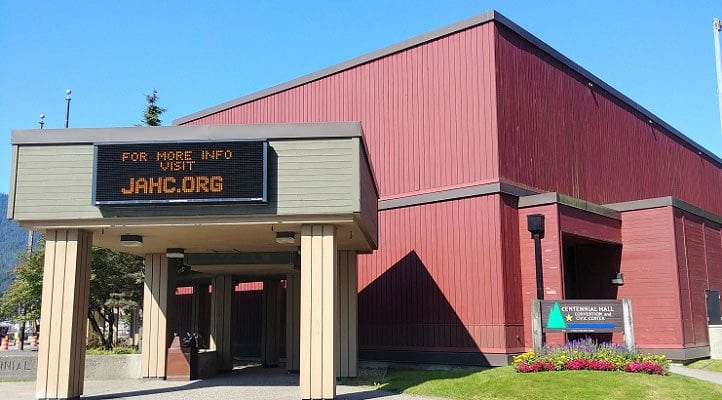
[[285, 237], [618, 279], [175, 253], [131, 240]]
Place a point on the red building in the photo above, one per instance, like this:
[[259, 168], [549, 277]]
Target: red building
[[470, 129]]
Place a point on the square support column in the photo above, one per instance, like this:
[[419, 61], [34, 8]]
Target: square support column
[[200, 312], [293, 321], [64, 316], [271, 323], [347, 364], [319, 282], [221, 300], [158, 298]]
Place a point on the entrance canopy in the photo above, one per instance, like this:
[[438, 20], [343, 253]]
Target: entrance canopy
[[205, 189], [264, 202]]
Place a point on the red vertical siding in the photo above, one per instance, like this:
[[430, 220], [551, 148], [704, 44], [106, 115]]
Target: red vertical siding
[[183, 307], [437, 282], [246, 319], [684, 284], [513, 295], [700, 268], [552, 265], [558, 134], [697, 270], [585, 224], [713, 248], [417, 107], [649, 264]]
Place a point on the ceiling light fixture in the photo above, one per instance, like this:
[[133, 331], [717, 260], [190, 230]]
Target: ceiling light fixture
[[175, 253], [285, 237], [131, 240]]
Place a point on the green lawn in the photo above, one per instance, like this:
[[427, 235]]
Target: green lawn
[[505, 383], [708, 365]]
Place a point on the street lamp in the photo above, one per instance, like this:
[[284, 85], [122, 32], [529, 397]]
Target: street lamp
[[535, 224], [67, 107]]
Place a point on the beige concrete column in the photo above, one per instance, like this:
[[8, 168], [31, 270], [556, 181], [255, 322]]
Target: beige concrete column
[[293, 321], [63, 321], [317, 375], [158, 298], [271, 323], [347, 315], [221, 300]]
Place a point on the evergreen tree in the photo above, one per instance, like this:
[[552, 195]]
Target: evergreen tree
[[151, 116]]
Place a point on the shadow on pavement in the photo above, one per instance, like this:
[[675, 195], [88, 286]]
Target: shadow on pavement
[[249, 376]]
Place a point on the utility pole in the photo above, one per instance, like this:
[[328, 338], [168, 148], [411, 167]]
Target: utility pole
[[717, 25]]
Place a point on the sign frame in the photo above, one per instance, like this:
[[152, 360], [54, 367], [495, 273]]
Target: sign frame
[[569, 322], [263, 200], [538, 331]]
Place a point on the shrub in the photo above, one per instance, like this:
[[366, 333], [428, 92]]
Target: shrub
[[586, 354], [99, 351]]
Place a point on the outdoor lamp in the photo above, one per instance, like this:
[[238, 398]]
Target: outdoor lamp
[[285, 237], [535, 225], [618, 279], [131, 240], [175, 253]]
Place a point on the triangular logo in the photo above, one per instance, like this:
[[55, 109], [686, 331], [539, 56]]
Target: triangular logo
[[556, 319]]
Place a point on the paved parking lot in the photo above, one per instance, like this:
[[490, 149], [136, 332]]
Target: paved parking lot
[[248, 383]]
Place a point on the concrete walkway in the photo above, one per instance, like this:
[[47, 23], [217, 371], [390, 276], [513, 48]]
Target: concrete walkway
[[247, 383], [709, 376]]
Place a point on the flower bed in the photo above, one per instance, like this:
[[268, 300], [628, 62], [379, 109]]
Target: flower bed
[[586, 354]]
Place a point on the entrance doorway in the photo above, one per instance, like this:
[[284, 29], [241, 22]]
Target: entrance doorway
[[589, 267]]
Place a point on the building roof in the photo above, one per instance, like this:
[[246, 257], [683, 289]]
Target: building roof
[[186, 133], [486, 17]]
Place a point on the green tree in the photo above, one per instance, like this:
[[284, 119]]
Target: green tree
[[116, 284], [151, 116], [21, 302]]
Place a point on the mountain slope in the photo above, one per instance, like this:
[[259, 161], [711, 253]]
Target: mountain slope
[[13, 241]]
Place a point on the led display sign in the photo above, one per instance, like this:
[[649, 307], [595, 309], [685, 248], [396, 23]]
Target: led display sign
[[183, 172]]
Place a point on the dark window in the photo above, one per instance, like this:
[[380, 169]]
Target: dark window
[[713, 307]]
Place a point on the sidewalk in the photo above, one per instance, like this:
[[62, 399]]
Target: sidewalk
[[709, 376], [248, 384]]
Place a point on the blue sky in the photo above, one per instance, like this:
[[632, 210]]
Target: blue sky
[[198, 54]]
